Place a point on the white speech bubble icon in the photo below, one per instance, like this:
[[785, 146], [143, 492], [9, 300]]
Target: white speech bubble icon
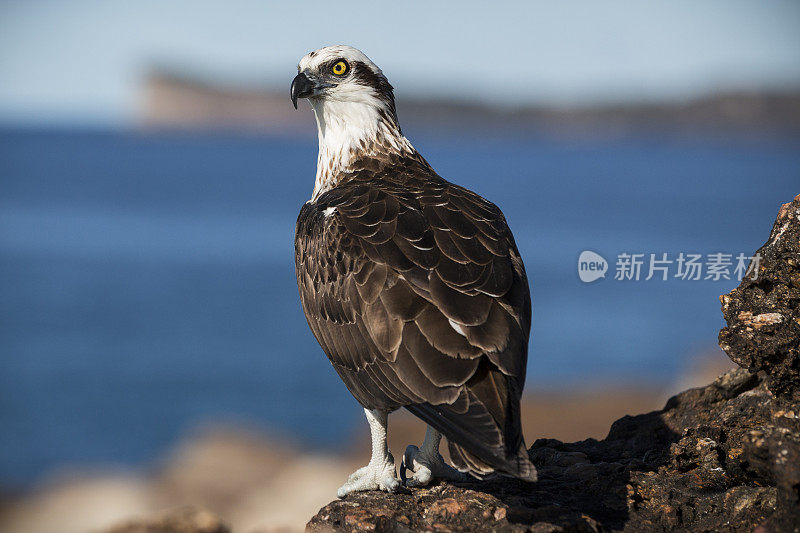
[[591, 266]]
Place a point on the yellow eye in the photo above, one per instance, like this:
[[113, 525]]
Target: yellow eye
[[339, 68]]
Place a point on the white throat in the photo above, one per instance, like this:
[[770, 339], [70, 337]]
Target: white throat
[[347, 130]]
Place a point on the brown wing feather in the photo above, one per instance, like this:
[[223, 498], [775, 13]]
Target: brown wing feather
[[415, 290]]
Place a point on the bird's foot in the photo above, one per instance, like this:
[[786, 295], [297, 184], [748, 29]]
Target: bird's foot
[[377, 475], [427, 467]]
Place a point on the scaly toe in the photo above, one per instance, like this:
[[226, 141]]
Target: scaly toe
[[427, 468], [357, 474], [389, 484], [371, 477], [421, 478]]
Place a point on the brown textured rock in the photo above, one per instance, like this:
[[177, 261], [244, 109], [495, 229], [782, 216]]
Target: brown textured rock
[[724, 457], [763, 314], [717, 458], [438, 508]]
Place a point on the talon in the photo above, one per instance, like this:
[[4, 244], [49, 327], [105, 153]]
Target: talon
[[409, 455], [403, 478], [427, 466]]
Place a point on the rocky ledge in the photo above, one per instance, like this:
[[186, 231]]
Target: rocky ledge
[[724, 457]]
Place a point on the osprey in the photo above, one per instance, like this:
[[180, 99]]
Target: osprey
[[412, 285]]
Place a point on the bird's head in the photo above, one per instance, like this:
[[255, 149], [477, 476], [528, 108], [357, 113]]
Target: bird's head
[[341, 82], [353, 103]]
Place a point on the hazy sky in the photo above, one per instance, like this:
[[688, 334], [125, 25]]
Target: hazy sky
[[83, 59]]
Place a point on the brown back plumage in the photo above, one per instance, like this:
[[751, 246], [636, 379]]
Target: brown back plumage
[[416, 292]]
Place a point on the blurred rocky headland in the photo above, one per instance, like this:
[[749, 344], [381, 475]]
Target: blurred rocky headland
[[171, 99]]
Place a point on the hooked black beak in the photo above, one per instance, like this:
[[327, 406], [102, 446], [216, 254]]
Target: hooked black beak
[[302, 87]]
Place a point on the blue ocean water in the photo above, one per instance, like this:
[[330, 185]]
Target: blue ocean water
[[147, 281]]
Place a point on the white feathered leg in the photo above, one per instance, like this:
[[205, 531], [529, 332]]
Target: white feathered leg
[[379, 474], [427, 463]]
